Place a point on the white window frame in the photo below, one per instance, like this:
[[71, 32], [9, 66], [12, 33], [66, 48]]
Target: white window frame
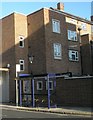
[[56, 26], [57, 51], [47, 85], [41, 82], [72, 35], [75, 53], [21, 62], [92, 28], [73, 21], [21, 39], [84, 26]]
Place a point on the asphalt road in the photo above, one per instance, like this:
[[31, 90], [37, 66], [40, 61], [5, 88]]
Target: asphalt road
[[14, 113]]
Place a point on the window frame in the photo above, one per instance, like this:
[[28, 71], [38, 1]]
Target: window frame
[[20, 62], [84, 26], [21, 40], [56, 27], [50, 81], [92, 28], [73, 34], [38, 85], [75, 53], [56, 50]]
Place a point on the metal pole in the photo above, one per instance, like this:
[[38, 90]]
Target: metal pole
[[20, 93], [16, 92], [17, 70], [33, 101], [48, 91]]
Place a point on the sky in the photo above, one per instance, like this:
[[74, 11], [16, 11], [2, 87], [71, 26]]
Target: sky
[[81, 9]]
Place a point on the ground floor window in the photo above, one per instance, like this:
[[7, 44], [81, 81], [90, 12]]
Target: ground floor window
[[39, 85], [50, 85]]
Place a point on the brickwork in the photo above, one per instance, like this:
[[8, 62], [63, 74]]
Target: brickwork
[[8, 48], [12, 53], [86, 50], [74, 91], [39, 37], [36, 37]]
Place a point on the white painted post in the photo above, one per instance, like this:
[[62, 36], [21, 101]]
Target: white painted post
[[17, 70]]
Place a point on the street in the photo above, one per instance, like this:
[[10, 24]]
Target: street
[[14, 113]]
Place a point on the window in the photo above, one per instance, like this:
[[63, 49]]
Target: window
[[56, 25], [57, 51], [72, 35], [92, 28], [73, 21], [84, 26], [21, 62], [21, 41], [50, 85], [39, 85], [73, 55]]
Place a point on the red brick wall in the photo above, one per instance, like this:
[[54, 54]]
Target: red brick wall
[[36, 37], [86, 52]]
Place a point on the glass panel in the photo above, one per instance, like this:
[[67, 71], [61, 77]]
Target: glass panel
[[56, 26], [57, 50], [73, 57]]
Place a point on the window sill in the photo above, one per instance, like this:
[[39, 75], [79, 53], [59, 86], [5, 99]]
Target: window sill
[[56, 32], [74, 60], [21, 46], [57, 58], [73, 40]]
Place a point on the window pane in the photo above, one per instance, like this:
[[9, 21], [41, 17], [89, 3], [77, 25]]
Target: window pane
[[50, 85], [84, 27], [39, 85], [56, 26], [21, 41], [57, 50], [92, 28], [72, 35], [21, 67], [21, 62], [73, 55]]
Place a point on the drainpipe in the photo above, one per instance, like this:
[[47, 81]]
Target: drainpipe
[[80, 43], [91, 45], [33, 98], [20, 82], [48, 91]]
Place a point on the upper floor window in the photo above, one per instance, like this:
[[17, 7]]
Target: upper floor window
[[21, 41], [73, 55], [84, 26], [92, 28], [57, 51], [72, 35], [39, 85], [50, 85], [21, 62], [56, 26], [73, 21]]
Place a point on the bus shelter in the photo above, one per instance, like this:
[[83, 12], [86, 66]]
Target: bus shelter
[[26, 88]]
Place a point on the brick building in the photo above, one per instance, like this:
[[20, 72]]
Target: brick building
[[55, 38]]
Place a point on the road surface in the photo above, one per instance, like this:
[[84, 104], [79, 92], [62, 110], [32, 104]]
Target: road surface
[[15, 113]]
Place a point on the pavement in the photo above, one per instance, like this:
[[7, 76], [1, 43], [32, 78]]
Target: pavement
[[60, 110]]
